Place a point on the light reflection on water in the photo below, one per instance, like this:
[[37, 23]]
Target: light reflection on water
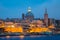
[[32, 37], [7, 36], [35, 36], [21, 37], [14, 37]]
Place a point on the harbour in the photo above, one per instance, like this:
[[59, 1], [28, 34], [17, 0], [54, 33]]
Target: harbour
[[39, 37], [29, 20]]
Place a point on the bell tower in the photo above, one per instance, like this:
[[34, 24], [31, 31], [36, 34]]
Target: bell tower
[[46, 18]]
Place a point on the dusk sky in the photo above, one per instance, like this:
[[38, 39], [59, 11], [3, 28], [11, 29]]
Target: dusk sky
[[15, 8]]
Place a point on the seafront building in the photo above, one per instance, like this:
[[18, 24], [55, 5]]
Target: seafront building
[[29, 23]]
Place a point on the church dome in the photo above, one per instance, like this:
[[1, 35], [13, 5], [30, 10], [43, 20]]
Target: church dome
[[29, 14]]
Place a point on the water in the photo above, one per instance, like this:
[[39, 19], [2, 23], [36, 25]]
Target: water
[[40, 37]]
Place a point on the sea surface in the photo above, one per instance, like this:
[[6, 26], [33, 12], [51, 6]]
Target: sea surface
[[39, 37]]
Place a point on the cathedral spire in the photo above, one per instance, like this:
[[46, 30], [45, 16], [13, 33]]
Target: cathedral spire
[[45, 10]]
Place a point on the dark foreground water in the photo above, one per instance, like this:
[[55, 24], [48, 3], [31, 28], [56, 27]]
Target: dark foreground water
[[40, 37]]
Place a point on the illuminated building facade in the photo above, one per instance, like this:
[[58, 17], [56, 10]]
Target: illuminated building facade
[[28, 22]]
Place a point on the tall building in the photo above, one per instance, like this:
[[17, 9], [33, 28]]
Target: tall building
[[46, 18], [29, 15], [57, 23], [23, 16], [51, 21]]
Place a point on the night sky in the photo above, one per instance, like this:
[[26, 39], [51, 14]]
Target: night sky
[[15, 8]]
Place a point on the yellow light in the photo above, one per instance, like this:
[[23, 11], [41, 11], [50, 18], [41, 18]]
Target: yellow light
[[39, 29], [12, 26], [51, 26], [14, 29]]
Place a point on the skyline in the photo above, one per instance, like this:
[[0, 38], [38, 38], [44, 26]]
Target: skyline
[[15, 8]]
